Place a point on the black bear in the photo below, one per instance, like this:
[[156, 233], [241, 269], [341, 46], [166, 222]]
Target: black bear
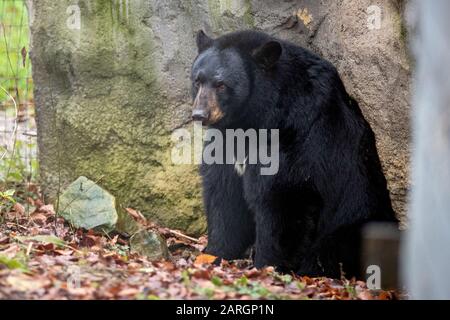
[[308, 216]]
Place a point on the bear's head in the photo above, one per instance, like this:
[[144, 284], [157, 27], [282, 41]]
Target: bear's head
[[224, 74]]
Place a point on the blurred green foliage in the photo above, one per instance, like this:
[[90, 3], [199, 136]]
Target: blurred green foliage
[[18, 164], [15, 76], [18, 167]]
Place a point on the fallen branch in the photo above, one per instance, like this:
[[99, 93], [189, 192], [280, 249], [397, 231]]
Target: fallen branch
[[179, 234]]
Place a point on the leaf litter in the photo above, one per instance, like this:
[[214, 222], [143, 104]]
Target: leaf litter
[[42, 257]]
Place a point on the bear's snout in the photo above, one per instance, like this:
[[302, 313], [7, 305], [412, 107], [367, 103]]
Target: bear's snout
[[199, 115], [206, 106]]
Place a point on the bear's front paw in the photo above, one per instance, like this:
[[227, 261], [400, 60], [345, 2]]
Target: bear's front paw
[[260, 261]]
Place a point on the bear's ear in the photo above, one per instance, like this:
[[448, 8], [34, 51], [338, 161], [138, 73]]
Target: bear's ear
[[203, 41], [268, 54]]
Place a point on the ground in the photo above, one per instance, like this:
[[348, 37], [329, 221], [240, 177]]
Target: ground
[[42, 257]]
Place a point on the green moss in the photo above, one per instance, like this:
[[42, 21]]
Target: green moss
[[399, 24], [249, 18], [401, 30], [214, 14], [222, 17]]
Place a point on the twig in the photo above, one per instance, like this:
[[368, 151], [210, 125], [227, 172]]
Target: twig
[[17, 225], [58, 147], [29, 134], [179, 234], [106, 234], [30, 245], [72, 248]]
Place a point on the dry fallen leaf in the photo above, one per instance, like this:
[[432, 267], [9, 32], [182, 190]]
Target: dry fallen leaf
[[365, 295], [47, 209], [384, 295], [19, 209], [39, 218], [22, 282], [23, 52], [205, 259], [128, 292]]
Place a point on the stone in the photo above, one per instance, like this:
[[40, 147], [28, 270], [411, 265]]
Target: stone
[[110, 93], [150, 244], [86, 205]]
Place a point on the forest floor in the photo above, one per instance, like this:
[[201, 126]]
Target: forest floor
[[42, 257]]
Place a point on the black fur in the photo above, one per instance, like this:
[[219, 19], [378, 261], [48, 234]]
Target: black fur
[[306, 218]]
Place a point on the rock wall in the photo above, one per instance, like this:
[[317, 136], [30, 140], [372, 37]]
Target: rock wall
[[110, 89]]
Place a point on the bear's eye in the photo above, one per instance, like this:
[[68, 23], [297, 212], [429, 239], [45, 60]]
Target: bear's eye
[[220, 86]]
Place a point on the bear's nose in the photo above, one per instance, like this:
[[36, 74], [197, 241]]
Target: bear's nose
[[199, 115]]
